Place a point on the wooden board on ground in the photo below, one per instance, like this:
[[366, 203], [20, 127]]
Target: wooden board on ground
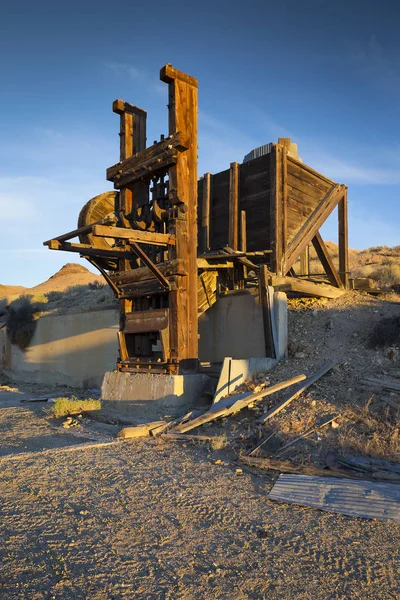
[[300, 388], [370, 500]]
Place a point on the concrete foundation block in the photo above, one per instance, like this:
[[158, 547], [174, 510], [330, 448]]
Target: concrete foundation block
[[147, 397], [237, 371]]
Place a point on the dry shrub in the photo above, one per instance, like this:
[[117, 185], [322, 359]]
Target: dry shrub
[[385, 333], [20, 322], [63, 407], [374, 437]]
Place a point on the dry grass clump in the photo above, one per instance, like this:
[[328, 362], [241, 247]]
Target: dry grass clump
[[64, 407], [219, 442], [374, 432]]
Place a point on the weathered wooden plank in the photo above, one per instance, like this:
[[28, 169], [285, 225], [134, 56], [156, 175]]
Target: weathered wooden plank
[[308, 288], [142, 237], [141, 321], [371, 500], [307, 173], [232, 405], [171, 267], [326, 261], [300, 388], [79, 231], [88, 250]]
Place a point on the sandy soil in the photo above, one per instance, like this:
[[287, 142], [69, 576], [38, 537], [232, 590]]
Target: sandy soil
[[157, 520]]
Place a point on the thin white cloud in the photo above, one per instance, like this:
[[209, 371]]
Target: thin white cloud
[[376, 66], [125, 69]]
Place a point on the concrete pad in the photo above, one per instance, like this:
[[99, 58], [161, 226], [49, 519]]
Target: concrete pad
[[146, 397], [237, 371]]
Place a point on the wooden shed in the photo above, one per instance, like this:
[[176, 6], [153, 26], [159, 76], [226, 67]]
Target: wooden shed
[[273, 203]]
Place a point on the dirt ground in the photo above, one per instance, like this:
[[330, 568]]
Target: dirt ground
[[159, 520], [84, 516]]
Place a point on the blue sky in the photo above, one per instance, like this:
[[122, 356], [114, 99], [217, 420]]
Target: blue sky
[[326, 74]]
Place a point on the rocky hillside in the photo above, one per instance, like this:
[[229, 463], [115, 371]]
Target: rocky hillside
[[380, 263]]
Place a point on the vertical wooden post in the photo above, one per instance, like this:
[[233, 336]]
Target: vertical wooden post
[[305, 261], [132, 140], [182, 106], [234, 206], [343, 241], [278, 209], [243, 231], [205, 216]]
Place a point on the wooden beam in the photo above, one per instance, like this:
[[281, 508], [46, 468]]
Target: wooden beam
[[326, 261], [169, 74], [233, 237], [168, 268], [305, 287], [136, 235], [147, 162], [343, 241], [205, 216], [88, 250], [149, 263], [80, 230], [300, 388], [312, 225]]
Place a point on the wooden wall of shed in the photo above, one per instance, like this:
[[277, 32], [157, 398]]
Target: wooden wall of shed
[[254, 198], [305, 190]]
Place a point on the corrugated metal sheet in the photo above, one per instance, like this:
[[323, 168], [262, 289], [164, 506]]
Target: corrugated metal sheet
[[257, 152], [368, 499]]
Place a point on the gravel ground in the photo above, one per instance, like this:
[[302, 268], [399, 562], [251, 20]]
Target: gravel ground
[[157, 520]]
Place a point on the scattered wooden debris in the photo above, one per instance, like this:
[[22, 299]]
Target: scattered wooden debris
[[139, 430], [300, 388], [370, 500], [386, 384], [184, 437], [288, 467], [233, 405], [305, 434]]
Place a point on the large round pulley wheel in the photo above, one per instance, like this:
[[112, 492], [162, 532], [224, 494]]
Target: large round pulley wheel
[[98, 208]]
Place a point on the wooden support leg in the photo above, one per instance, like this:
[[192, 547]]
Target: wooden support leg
[[326, 261], [343, 241]]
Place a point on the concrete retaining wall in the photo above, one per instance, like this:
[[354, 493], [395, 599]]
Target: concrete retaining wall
[[72, 349], [78, 349]]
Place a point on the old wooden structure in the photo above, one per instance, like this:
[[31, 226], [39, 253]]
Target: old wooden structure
[[255, 219]]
